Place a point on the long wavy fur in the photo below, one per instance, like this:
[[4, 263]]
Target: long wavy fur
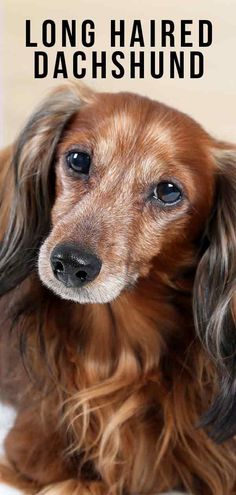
[[119, 404], [214, 301]]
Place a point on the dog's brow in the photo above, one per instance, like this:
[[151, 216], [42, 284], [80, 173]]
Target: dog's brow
[[151, 168]]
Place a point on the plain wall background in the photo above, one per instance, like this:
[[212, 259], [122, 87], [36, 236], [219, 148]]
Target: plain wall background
[[211, 100]]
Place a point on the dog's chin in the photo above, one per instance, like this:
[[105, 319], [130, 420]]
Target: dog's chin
[[101, 293], [85, 295]]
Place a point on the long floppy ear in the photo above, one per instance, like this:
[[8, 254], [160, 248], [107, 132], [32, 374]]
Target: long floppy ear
[[33, 191], [215, 296]]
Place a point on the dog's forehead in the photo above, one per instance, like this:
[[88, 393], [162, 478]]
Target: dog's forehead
[[128, 131], [129, 119]]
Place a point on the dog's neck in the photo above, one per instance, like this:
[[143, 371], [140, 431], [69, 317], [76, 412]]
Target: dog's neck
[[135, 331], [131, 336]]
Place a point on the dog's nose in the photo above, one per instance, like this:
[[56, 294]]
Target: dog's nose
[[74, 267]]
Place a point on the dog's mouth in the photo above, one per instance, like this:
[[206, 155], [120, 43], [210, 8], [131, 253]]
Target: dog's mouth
[[105, 288], [99, 292]]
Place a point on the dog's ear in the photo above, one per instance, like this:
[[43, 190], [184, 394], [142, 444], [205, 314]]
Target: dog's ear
[[33, 188], [215, 296]]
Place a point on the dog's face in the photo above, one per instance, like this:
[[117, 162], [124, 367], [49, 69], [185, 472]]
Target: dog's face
[[128, 175]]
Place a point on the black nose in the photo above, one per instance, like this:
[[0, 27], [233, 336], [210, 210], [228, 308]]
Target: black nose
[[73, 266]]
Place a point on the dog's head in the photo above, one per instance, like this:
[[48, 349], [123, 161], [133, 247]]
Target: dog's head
[[111, 187], [112, 184], [127, 192]]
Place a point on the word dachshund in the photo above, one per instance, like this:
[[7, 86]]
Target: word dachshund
[[135, 50]]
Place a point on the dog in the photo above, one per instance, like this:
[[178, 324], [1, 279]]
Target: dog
[[117, 281]]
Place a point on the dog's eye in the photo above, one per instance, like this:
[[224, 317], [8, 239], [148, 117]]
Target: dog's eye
[[167, 192], [79, 162]]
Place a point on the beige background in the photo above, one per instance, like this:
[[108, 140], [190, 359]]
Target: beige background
[[211, 99]]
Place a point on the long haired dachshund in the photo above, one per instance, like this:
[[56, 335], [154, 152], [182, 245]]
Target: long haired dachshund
[[117, 309]]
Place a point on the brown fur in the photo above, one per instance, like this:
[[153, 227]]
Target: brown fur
[[109, 396]]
